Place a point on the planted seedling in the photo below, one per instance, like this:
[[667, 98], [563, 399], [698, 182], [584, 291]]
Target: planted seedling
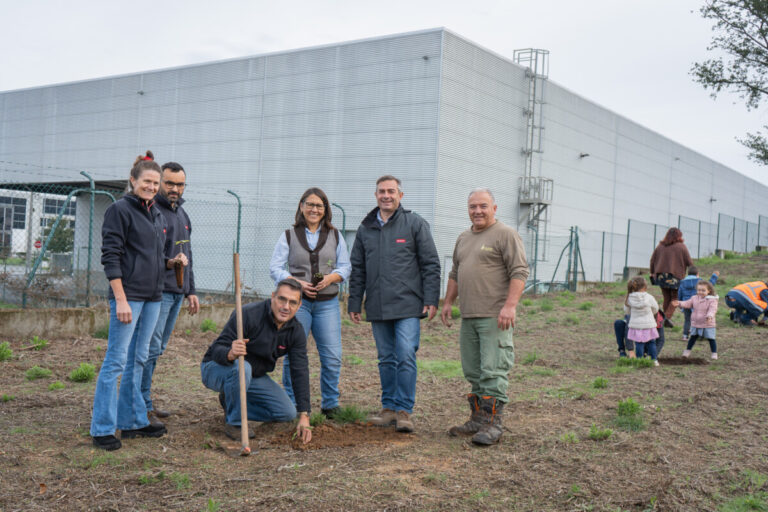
[[208, 325], [83, 373], [5, 351], [37, 372]]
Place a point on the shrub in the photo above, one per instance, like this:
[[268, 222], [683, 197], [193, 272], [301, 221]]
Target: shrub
[[36, 372], [599, 434], [38, 343], [455, 312], [208, 325], [83, 373], [5, 351], [53, 386], [600, 383], [586, 306], [102, 333], [349, 414]]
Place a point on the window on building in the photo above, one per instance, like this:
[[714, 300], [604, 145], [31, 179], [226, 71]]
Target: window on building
[[19, 207], [52, 206]]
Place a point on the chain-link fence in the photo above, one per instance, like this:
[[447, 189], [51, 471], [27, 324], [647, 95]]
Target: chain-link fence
[[642, 238], [762, 231], [700, 237]]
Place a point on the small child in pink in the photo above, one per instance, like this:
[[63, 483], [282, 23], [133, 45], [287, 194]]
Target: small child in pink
[[642, 309], [704, 308]]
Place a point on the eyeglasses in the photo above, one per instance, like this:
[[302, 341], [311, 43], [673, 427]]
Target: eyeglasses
[[314, 206], [173, 184], [292, 303]]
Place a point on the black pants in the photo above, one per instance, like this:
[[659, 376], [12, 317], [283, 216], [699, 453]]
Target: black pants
[[692, 341]]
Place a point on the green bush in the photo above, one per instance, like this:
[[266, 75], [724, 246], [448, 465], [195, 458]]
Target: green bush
[[83, 373], [5, 351], [600, 383], [526, 302], [628, 407], [628, 416], [102, 333], [208, 325], [36, 372], [586, 306], [53, 386], [349, 414], [38, 343], [599, 434], [455, 312]]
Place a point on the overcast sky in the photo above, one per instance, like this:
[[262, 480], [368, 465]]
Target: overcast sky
[[630, 56]]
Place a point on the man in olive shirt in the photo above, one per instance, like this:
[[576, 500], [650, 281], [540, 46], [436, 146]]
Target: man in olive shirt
[[489, 273]]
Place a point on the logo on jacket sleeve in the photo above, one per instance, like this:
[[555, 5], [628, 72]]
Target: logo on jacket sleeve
[[400, 240]]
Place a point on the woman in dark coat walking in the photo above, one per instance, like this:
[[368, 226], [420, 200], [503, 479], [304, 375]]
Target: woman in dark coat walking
[[669, 262]]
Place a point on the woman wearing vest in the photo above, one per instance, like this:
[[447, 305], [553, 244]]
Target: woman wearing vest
[[748, 301], [316, 256]]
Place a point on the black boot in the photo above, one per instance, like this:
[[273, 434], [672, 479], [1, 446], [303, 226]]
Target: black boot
[[492, 428], [475, 419]]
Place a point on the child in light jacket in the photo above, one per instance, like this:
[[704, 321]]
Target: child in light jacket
[[703, 309], [642, 309], [686, 290]]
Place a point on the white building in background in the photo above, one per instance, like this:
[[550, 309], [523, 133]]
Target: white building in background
[[440, 112]]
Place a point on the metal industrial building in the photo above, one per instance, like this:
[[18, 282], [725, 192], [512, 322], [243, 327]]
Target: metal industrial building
[[431, 107]]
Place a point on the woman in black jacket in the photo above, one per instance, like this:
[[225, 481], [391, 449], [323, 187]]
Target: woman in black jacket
[[133, 238]]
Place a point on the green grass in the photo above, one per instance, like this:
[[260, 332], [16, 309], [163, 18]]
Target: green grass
[[639, 362], [102, 332], [349, 414], [347, 322], [316, 418], [181, 480], [586, 306], [628, 416], [600, 383], [8, 398], [152, 479], [354, 360], [526, 302], [5, 351], [569, 438], [599, 434], [628, 407], [546, 305], [83, 373], [571, 319], [53, 386], [446, 369], [750, 503], [36, 372], [530, 358], [543, 372], [208, 325], [38, 343], [213, 505]]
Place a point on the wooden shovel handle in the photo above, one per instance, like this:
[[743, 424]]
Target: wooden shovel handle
[[241, 360]]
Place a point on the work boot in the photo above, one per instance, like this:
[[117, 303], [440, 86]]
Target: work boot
[[492, 428], [153, 419], [148, 431], [233, 432], [108, 443], [475, 421], [384, 418], [162, 413], [403, 422]]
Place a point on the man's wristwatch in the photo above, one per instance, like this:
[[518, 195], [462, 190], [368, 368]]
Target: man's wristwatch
[[304, 413]]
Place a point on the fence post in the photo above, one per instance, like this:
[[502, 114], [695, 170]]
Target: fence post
[[625, 274], [698, 244], [570, 260], [602, 257], [733, 236], [717, 237], [90, 241]]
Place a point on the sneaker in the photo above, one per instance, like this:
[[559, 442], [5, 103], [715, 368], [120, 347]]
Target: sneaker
[[108, 443], [685, 337], [148, 431], [403, 421], [331, 412], [233, 432], [686, 353], [714, 355], [655, 363], [384, 418]]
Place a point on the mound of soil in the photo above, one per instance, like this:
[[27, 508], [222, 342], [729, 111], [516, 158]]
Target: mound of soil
[[331, 435]]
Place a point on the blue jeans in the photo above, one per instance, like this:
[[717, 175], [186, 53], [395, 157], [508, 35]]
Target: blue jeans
[[126, 356], [744, 310], [265, 398], [323, 319], [687, 321], [620, 328], [169, 311], [396, 343], [649, 346]]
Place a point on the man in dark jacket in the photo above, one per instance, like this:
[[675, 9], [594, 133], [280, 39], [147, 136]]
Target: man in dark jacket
[[270, 331], [395, 265], [178, 251]]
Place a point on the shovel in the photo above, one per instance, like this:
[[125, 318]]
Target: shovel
[[245, 449]]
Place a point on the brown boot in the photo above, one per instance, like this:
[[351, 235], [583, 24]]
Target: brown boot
[[153, 420], [384, 418], [475, 419], [492, 428], [403, 422]]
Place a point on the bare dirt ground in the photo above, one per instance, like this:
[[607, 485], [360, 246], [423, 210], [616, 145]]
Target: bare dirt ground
[[702, 443]]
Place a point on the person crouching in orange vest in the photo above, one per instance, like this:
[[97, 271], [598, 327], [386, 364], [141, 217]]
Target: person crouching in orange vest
[[748, 301]]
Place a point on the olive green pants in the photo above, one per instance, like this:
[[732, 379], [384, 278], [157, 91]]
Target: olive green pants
[[487, 354]]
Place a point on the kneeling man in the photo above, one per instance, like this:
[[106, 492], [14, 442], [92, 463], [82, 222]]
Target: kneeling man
[[270, 331]]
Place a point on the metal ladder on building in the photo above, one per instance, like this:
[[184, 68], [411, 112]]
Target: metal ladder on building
[[535, 191]]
